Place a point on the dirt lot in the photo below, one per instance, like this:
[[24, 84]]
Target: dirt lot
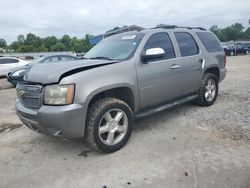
[[188, 146]]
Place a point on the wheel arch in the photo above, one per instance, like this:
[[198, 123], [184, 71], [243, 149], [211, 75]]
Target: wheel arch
[[122, 92], [214, 70]]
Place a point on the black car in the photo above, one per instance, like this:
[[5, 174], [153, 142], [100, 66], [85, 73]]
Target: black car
[[236, 49], [16, 75]]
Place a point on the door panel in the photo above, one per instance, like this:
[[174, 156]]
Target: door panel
[[191, 62], [160, 79], [158, 82]]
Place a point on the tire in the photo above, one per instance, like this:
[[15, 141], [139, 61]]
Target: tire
[[205, 96], [231, 53], [103, 123], [247, 52]]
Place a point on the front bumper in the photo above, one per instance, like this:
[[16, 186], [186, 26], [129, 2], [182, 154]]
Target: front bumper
[[61, 121]]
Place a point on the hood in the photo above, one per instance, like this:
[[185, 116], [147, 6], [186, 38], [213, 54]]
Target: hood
[[46, 73]]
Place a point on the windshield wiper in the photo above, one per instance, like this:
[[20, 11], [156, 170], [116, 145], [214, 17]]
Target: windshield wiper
[[101, 57]]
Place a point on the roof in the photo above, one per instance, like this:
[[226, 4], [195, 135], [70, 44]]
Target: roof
[[134, 28]]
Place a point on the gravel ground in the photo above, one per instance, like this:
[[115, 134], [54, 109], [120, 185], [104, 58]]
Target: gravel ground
[[188, 146], [4, 84], [231, 112]]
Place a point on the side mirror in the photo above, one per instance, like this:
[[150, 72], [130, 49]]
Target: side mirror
[[153, 53]]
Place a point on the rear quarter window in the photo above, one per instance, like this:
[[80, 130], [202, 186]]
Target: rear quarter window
[[209, 41]]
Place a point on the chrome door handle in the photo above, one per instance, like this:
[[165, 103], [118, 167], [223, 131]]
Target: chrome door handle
[[174, 66]]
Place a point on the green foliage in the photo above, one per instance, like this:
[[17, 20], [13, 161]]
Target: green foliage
[[233, 32], [58, 47], [3, 43], [20, 38], [33, 43]]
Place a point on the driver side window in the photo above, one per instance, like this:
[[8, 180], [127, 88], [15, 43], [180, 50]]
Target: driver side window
[[161, 40]]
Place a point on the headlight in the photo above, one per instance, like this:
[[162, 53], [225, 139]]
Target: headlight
[[18, 73], [59, 94]]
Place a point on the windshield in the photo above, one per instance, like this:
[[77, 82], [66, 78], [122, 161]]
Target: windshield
[[118, 47]]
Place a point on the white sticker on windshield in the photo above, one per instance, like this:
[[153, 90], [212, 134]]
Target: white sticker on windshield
[[128, 37]]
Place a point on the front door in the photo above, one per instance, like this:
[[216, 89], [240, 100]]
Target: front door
[[159, 79]]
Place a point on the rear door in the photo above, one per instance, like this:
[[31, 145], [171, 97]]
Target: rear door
[[158, 80], [192, 61]]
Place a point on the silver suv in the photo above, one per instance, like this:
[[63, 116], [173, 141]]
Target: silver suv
[[125, 76]]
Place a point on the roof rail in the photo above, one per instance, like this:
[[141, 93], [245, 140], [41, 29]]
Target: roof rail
[[163, 26], [123, 29]]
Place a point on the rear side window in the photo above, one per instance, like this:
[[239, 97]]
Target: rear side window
[[161, 40], [186, 43], [8, 61], [209, 41], [51, 60], [65, 58]]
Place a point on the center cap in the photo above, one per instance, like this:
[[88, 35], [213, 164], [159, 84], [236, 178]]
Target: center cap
[[113, 125]]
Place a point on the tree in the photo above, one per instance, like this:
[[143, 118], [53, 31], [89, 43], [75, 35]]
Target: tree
[[233, 32], [66, 40], [58, 47], [3, 43], [33, 40], [247, 33], [20, 38], [49, 42]]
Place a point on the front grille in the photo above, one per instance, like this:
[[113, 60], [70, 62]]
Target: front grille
[[30, 95]]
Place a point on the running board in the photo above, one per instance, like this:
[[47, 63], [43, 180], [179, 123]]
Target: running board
[[166, 106]]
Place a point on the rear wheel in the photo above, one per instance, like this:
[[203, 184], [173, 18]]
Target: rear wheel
[[208, 90], [109, 124]]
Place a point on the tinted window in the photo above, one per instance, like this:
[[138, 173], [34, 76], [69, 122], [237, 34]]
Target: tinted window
[[187, 44], [161, 40], [67, 58], [209, 41], [8, 61], [51, 60]]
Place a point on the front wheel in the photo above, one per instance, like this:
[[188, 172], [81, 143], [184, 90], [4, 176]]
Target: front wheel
[[110, 123], [208, 91]]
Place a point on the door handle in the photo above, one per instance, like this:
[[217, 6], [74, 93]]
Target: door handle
[[175, 66], [202, 61]]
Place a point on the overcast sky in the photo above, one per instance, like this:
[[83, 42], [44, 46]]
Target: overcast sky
[[79, 17]]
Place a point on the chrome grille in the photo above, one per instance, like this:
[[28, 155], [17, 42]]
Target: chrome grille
[[30, 95]]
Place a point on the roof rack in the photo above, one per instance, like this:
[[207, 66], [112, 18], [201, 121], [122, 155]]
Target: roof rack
[[163, 26]]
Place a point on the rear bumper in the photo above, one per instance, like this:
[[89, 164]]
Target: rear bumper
[[60, 121], [223, 73]]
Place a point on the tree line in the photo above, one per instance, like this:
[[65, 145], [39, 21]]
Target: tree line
[[235, 32], [33, 43]]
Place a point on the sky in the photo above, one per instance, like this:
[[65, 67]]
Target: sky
[[80, 17]]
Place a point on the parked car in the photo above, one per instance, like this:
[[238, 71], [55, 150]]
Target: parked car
[[8, 63], [16, 75], [236, 49], [127, 75]]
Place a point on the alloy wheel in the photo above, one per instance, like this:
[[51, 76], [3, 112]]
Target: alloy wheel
[[113, 127]]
